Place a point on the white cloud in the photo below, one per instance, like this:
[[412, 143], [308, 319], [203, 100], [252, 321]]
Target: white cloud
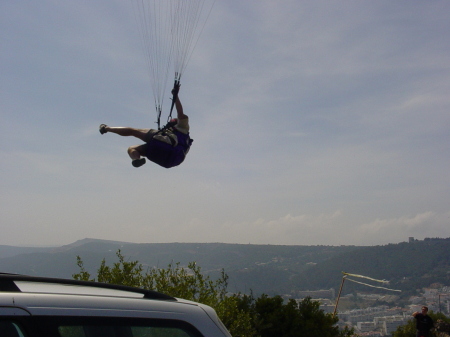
[[427, 224], [289, 229]]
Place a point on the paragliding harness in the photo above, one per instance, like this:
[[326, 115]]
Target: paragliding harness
[[165, 154]]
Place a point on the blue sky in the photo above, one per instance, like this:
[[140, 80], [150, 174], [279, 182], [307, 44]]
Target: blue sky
[[315, 123]]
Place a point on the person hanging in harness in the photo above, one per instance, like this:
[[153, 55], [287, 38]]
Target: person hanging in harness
[[167, 147]]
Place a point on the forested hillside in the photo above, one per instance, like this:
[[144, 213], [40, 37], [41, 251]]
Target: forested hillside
[[408, 266], [267, 269]]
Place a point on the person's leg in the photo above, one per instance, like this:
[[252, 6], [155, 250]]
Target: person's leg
[[136, 152], [125, 131]]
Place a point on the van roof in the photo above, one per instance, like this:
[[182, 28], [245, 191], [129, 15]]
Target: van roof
[[33, 284]]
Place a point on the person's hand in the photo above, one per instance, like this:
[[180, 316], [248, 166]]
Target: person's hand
[[175, 90]]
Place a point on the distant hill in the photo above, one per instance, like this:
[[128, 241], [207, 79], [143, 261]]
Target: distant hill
[[408, 266], [7, 251], [272, 269]]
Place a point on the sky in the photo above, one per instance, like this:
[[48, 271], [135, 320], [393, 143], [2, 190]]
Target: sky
[[314, 123]]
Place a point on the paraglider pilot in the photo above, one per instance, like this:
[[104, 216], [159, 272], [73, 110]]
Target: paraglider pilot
[[167, 147]]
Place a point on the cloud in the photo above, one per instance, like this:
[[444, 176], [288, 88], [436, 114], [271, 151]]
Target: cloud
[[426, 224], [287, 230], [319, 229]]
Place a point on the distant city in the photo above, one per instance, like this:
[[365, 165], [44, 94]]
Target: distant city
[[380, 320]]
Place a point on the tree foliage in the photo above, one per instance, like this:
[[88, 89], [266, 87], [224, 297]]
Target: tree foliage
[[273, 317], [187, 283], [243, 315]]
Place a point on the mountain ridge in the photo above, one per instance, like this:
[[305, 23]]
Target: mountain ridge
[[270, 269]]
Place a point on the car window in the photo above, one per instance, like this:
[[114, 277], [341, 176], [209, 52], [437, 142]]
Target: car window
[[11, 329], [158, 331], [115, 327], [132, 331]]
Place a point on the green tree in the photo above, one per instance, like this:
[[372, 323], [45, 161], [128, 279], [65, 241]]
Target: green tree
[[273, 317], [187, 283], [407, 330]]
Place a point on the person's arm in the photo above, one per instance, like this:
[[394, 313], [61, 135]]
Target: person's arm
[[179, 107]]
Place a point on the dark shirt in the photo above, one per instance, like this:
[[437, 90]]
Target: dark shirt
[[423, 322]]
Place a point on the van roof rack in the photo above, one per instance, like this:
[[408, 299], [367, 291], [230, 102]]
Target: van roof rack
[[7, 284]]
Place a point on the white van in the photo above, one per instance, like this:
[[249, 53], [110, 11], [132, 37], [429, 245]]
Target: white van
[[48, 307]]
